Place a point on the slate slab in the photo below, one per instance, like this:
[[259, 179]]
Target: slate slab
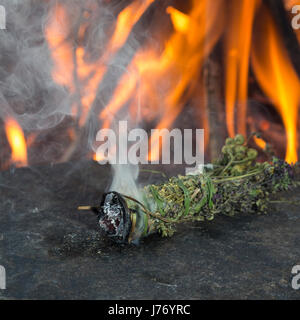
[[52, 251]]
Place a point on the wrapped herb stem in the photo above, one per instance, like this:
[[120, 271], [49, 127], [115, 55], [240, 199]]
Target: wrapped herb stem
[[237, 183]]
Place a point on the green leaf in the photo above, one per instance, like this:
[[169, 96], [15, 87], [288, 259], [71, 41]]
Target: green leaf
[[210, 192], [187, 198], [158, 200], [201, 203]]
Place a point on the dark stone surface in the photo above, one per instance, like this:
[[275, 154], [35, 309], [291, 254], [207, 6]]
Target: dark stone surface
[[52, 251]]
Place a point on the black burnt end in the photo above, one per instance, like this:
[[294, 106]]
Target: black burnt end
[[114, 217]]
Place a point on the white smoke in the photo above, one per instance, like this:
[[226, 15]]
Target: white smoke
[[27, 91]]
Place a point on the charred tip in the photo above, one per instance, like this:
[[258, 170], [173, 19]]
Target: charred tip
[[114, 217]]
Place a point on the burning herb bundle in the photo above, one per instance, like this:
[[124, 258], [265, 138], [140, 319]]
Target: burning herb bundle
[[237, 183]]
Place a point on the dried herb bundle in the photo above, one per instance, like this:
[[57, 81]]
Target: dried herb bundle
[[236, 183]]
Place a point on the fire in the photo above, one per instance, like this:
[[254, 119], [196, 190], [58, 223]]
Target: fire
[[237, 53], [278, 79], [260, 142], [16, 139], [56, 32], [159, 82], [183, 59], [180, 20], [125, 22], [71, 68], [271, 66], [173, 71]]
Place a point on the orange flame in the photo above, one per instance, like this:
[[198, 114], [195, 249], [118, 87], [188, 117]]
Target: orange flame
[[89, 74], [159, 83], [125, 22], [56, 32], [238, 43], [180, 20], [16, 139], [183, 58], [277, 78], [260, 142]]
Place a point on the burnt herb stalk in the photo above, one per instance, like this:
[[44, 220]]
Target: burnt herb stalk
[[237, 183]]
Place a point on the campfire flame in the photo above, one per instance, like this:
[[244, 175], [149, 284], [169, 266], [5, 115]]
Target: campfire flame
[[237, 52], [88, 73], [16, 139], [277, 78], [165, 81], [161, 79]]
